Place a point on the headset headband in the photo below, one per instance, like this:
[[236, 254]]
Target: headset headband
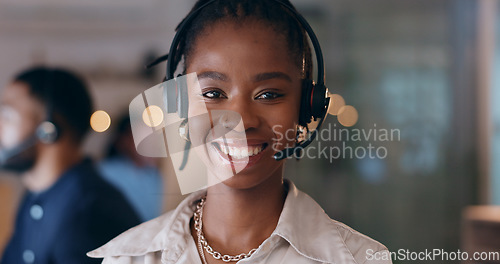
[[183, 27]]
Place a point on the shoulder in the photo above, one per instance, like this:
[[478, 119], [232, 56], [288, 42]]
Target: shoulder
[[81, 196], [95, 194], [154, 235], [137, 241], [314, 234], [360, 246], [95, 209]]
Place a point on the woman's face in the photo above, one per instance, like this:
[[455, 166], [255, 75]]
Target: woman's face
[[246, 69]]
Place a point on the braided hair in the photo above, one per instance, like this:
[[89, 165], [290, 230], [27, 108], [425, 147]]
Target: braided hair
[[272, 13]]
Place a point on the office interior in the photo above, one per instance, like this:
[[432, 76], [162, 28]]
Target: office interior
[[427, 70]]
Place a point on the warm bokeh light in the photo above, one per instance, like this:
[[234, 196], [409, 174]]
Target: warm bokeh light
[[347, 116], [336, 102], [152, 116], [100, 121]]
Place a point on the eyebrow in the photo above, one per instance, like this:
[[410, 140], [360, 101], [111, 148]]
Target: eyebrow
[[272, 75], [213, 75], [258, 78]]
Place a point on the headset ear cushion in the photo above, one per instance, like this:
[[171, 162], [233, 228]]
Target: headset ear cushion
[[318, 101], [47, 132], [305, 114]]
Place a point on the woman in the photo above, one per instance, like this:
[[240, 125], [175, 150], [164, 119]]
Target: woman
[[251, 57]]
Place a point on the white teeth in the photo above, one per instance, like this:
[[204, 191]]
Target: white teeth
[[244, 152], [240, 152], [237, 152]]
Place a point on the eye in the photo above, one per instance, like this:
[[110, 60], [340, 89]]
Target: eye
[[213, 94], [269, 96]]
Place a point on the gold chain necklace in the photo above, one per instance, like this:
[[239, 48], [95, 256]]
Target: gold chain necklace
[[203, 244]]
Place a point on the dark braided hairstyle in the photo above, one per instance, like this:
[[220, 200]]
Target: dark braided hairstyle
[[269, 12]]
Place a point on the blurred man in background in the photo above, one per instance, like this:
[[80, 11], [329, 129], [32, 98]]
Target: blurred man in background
[[68, 208]]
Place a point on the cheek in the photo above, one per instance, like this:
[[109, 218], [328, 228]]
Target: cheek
[[13, 130], [284, 127], [199, 127], [9, 136], [198, 117]]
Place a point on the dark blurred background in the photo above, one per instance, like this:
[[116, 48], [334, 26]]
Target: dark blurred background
[[429, 69]]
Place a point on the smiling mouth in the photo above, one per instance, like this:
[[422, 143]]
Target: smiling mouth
[[240, 152]]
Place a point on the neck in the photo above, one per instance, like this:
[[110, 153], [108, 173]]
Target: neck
[[52, 161], [236, 221]]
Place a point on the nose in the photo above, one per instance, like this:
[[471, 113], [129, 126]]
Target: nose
[[247, 116]]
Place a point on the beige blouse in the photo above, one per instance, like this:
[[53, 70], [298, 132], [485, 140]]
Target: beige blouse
[[304, 234]]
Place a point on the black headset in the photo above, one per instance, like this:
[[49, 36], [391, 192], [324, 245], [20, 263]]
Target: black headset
[[46, 132], [314, 101]]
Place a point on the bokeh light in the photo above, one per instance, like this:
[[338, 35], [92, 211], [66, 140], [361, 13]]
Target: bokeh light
[[152, 116], [336, 102], [347, 116], [100, 121]]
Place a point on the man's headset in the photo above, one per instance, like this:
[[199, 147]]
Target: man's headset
[[315, 99], [46, 132]]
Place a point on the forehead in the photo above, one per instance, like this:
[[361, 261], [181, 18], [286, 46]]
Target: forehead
[[249, 45]]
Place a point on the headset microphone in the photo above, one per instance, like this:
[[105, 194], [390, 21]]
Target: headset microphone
[[7, 154], [46, 132], [287, 152]]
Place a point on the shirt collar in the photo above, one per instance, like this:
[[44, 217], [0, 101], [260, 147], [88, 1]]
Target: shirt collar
[[302, 223], [308, 229]]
